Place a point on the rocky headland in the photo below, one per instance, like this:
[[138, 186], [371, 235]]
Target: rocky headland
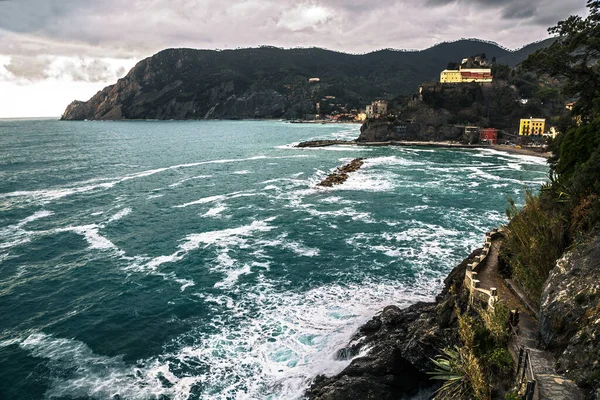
[[269, 82]]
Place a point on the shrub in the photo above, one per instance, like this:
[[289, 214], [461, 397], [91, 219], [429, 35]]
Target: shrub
[[501, 361], [496, 321], [535, 239], [512, 396]]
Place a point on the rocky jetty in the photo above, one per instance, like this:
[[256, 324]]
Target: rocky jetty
[[396, 348], [323, 143], [341, 174]]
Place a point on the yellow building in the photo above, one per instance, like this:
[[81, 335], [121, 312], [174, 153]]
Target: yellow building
[[450, 76], [464, 75], [532, 126]]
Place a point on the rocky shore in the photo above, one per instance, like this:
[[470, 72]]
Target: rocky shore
[[396, 347], [341, 174]]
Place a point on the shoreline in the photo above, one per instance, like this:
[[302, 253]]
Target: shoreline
[[451, 145]]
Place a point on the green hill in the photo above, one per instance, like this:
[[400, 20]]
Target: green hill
[[269, 82]]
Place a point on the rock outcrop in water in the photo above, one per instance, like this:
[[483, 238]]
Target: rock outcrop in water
[[341, 174], [398, 346], [269, 82], [322, 143]]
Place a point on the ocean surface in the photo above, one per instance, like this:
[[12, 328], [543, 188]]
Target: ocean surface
[[197, 260]]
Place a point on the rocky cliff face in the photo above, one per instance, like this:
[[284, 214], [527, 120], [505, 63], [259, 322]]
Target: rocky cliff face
[[570, 315], [395, 348], [172, 85]]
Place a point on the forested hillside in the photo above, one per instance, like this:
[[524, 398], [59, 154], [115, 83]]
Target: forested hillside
[[270, 82]]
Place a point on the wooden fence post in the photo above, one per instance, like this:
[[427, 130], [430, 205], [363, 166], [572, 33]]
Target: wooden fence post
[[525, 362], [530, 390], [519, 364]]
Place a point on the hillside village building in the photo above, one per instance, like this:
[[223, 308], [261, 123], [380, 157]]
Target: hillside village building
[[489, 135], [532, 126], [376, 109], [466, 75]]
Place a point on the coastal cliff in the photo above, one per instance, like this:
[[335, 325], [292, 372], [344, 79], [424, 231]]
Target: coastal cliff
[[395, 349], [394, 354], [270, 82]]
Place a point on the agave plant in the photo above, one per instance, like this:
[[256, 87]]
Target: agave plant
[[447, 369], [461, 374]]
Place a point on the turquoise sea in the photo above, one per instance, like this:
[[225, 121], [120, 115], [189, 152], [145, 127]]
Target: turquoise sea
[[197, 260]]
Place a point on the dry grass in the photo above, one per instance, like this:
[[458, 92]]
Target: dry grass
[[535, 239], [496, 321]]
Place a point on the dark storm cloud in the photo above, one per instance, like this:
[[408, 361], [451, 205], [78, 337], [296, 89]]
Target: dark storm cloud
[[539, 11], [33, 33]]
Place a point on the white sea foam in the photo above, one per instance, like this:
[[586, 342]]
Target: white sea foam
[[242, 172], [391, 160], [233, 276], [215, 211], [222, 238], [203, 200], [523, 157], [16, 235], [91, 235], [343, 212], [36, 216], [279, 342], [102, 377], [339, 200], [300, 249], [48, 195], [366, 181], [217, 198], [121, 214]]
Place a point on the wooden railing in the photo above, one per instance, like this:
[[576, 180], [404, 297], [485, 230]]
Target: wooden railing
[[525, 383]]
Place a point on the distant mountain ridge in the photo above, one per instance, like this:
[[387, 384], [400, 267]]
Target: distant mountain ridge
[[269, 82]]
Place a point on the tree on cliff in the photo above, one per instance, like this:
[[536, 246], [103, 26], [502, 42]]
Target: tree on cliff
[[573, 58], [568, 210]]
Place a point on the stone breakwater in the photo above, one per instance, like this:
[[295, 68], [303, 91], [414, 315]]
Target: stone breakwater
[[322, 143], [341, 174]]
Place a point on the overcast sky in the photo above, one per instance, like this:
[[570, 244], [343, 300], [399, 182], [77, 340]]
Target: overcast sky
[[55, 51]]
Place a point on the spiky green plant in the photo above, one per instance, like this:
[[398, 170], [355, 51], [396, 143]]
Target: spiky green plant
[[462, 375]]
